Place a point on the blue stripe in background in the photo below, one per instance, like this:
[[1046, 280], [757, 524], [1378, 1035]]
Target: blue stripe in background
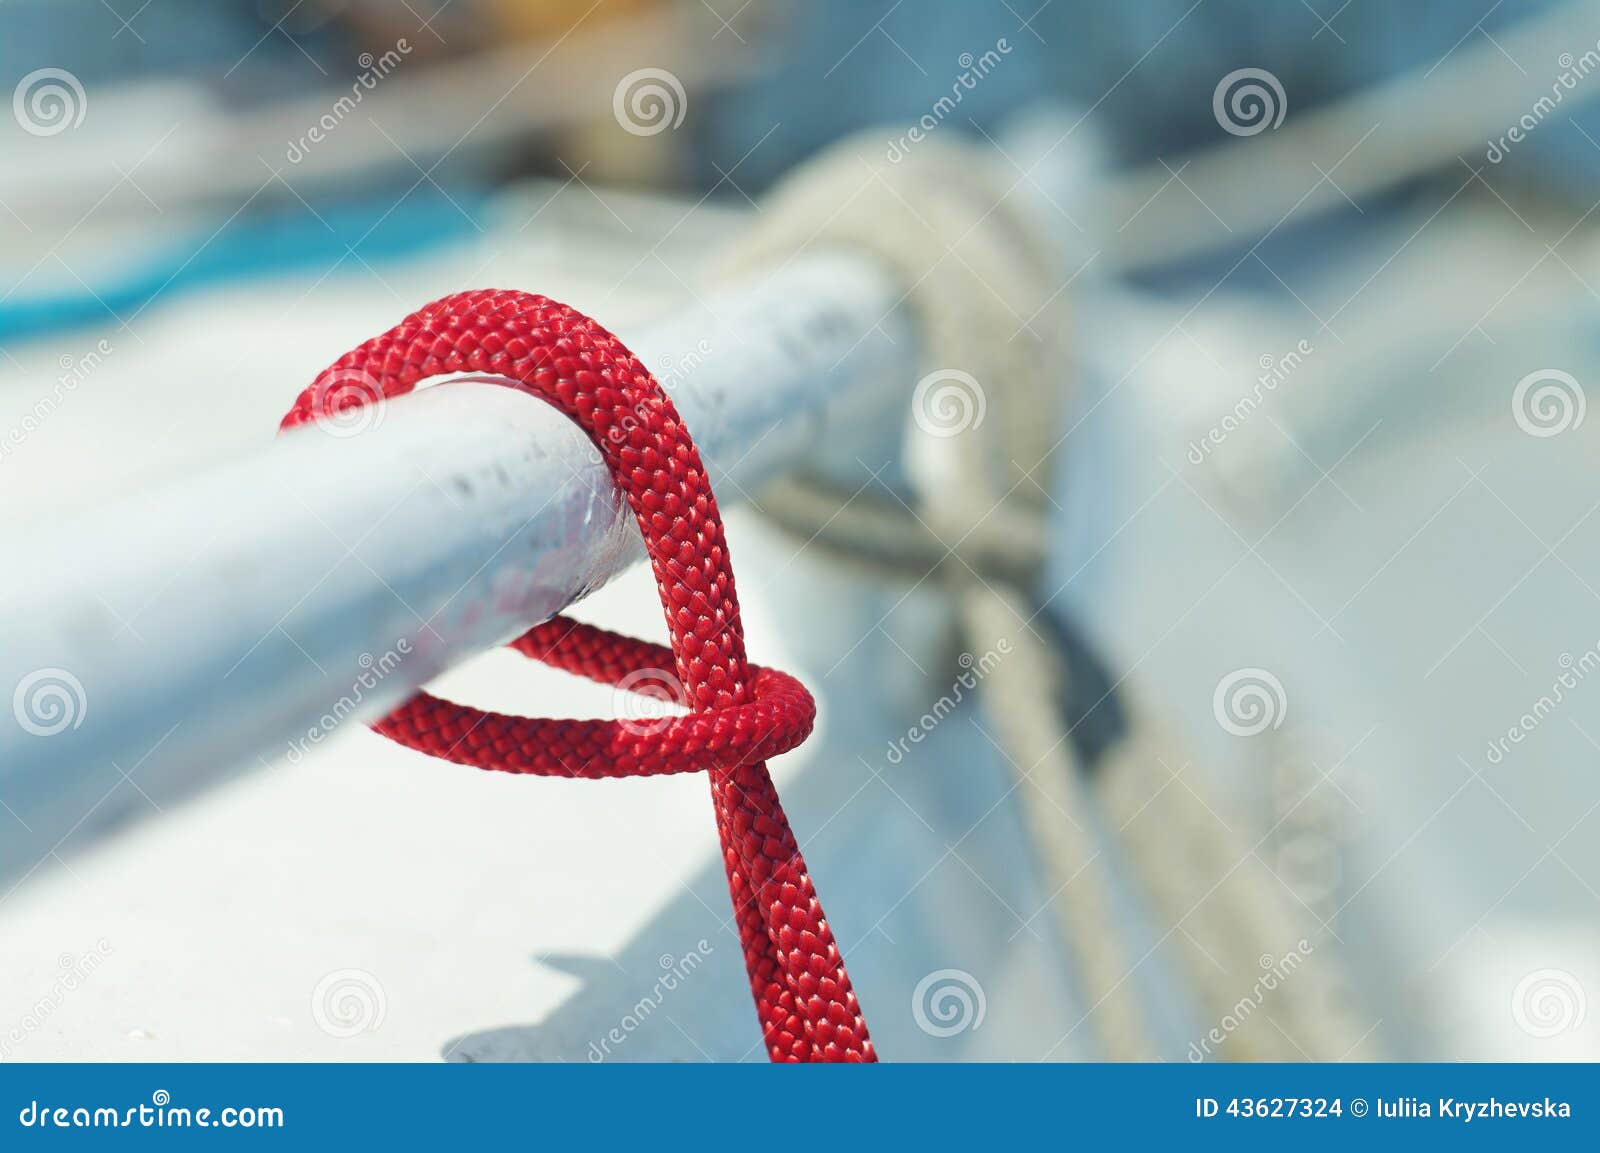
[[288, 240]]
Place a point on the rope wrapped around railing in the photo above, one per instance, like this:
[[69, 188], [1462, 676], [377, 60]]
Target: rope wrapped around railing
[[739, 714]]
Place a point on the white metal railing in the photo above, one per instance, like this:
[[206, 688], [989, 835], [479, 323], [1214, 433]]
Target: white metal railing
[[178, 634], [209, 623]]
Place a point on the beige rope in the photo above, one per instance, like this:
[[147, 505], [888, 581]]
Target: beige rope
[[1270, 987], [987, 411], [979, 283]]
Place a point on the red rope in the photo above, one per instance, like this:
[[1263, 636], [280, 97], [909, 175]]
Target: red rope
[[740, 714]]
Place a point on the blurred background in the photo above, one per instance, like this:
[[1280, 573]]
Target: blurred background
[[1314, 545]]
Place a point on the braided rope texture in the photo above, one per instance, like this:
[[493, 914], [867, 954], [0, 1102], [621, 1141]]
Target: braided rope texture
[[739, 714]]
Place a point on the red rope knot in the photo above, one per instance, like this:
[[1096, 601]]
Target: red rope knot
[[739, 714]]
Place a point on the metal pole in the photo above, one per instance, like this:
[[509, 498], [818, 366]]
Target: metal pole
[[212, 623]]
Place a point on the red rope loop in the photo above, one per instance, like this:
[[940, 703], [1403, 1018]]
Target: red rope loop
[[739, 714]]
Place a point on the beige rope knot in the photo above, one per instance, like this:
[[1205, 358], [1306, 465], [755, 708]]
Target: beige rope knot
[[977, 274], [977, 282]]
